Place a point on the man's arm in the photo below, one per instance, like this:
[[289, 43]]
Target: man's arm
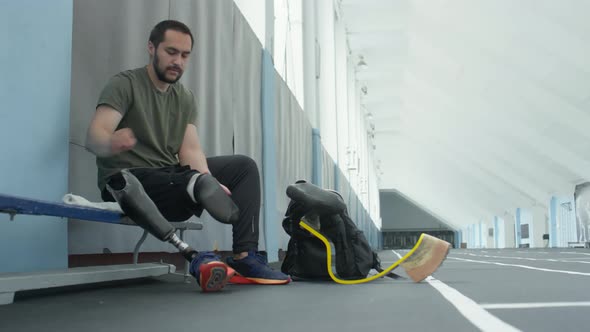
[[191, 153], [102, 139]]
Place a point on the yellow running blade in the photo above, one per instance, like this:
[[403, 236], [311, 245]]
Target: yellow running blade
[[426, 256]]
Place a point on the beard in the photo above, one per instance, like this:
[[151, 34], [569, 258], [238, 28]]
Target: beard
[[161, 73]]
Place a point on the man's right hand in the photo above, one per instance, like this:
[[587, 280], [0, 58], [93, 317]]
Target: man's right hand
[[122, 140]]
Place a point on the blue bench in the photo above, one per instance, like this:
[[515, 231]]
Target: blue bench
[[12, 282], [14, 205]]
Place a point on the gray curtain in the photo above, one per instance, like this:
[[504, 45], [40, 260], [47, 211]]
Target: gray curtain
[[246, 101], [294, 147], [327, 170], [210, 76], [108, 37]]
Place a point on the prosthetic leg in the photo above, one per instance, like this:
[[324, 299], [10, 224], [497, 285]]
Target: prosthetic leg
[[423, 260], [129, 193]]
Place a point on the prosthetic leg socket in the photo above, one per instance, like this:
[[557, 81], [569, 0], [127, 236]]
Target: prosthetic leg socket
[[211, 196]]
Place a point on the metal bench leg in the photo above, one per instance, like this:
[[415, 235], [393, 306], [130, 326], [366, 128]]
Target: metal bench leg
[[187, 275], [138, 245]]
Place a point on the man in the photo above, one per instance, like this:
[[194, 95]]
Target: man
[[145, 122]]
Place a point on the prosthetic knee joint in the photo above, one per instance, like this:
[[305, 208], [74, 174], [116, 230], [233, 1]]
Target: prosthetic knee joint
[[129, 193]]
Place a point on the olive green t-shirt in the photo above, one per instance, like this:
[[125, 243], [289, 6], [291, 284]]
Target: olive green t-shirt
[[158, 120]]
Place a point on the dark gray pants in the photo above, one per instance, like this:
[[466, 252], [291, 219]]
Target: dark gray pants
[[166, 186]]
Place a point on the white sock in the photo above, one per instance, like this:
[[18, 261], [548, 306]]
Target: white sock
[[191, 186]]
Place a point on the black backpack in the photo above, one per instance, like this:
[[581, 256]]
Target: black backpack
[[325, 211]]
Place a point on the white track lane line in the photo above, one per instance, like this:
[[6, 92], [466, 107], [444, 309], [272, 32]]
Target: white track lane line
[[522, 266], [472, 311], [574, 253], [530, 259], [533, 305]]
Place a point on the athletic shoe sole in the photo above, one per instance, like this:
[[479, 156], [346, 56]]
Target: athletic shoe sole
[[213, 276], [241, 280]]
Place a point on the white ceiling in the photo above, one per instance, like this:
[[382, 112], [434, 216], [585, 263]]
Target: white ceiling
[[480, 106]]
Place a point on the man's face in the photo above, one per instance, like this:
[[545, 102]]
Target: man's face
[[171, 56]]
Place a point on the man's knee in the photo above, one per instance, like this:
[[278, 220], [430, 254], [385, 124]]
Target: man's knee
[[245, 163]]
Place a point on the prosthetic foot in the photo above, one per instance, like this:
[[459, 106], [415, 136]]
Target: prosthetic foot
[[426, 257], [129, 193], [423, 260]]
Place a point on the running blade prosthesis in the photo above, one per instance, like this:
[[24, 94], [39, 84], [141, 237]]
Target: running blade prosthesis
[[426, 257]]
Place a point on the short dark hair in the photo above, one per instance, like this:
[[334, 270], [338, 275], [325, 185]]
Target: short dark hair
[[158, 32]]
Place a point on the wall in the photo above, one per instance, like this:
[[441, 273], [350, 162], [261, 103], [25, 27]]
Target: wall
[[254, 11], [399, 213], [293, 147], [35, 94]]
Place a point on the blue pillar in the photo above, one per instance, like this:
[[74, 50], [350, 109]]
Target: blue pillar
[[269, 159], [553, 222], [316, 143], [517, 228], [34, 128]]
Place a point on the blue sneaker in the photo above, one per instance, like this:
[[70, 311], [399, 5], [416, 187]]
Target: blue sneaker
[[211, 273], [254, 269]]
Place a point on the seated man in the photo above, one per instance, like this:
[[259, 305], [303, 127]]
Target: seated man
[[145, 122]]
